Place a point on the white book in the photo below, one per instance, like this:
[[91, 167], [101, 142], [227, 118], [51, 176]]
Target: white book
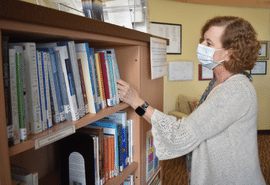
[[82, 55], [41, 91], [70, 92], [32, 91], [56, 112], [14, 98], [46, 57], [75, 74], [130, 140]]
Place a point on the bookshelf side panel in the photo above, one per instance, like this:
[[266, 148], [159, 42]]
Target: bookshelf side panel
[[5, 174]]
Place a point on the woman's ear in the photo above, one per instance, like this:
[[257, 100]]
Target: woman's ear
[[228, 54]]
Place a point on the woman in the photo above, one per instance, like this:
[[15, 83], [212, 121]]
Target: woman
[[221, 134]]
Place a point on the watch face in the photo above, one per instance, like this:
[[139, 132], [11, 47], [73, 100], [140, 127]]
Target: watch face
[[140, 111]]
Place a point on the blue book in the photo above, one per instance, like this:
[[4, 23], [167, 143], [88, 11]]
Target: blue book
[[106, 124], [46, 88], [121, 118], [93, 73], [54, 84], [112, 77]]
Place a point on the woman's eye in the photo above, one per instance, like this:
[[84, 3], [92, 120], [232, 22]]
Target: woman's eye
[[208, 43]]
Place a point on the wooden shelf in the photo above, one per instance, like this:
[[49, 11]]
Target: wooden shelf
[[87, 119]]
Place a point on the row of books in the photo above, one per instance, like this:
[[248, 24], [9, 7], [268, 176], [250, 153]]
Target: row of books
[[112, 141], [47, 83]]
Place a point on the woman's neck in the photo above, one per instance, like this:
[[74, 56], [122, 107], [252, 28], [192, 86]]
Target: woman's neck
[[221, 73]]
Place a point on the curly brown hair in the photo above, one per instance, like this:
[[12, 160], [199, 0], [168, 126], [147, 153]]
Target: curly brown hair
[[240, 38]]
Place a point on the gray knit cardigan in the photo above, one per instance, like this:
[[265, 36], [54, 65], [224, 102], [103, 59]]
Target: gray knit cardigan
[[221, 134]]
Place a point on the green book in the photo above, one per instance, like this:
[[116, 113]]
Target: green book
[[22, 127]]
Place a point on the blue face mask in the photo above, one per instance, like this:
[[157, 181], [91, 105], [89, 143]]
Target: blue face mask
[[205, 56]]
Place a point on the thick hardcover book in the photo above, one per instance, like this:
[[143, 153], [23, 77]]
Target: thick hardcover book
[[41, 91], [45, 56], [111, 128], [95, 79], [83, 56], [121, 118], [6, 74], [74, 73], [97, 131], [32, 89], [14, 98], [106, 77], [77, 155], [69, 81], [100, 81]]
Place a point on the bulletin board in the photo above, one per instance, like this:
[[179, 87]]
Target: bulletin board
[[180, 70]]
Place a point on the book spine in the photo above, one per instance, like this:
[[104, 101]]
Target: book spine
[[112, 78], [131, 141], [106, 78], [6, 75], [76, 76], [115, 73], [92, 77], [95, 79], [41, 91], [22, 128], [83, 86], [105, 150], [100, 81], [65, 100], [90, 98], [32, 89], [66, 68], [59, 114], [25, 94], [110, 158], [120, 147], [47, 89], [14, 98]]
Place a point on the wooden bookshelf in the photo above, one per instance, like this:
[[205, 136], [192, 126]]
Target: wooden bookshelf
[[25, 22]]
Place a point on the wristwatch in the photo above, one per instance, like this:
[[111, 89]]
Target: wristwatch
[[141, 109]]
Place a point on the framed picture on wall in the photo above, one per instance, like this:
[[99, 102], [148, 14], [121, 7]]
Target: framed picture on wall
[[205, 73], [173, 32], [264, 52], [260, 68]]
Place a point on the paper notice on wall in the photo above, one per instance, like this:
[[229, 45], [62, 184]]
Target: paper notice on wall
[[158, 57]]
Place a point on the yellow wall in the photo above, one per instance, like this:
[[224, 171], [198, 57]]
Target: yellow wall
[[192, 17]]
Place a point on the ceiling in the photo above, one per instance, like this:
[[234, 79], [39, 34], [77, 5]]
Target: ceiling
[[239, 3]]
